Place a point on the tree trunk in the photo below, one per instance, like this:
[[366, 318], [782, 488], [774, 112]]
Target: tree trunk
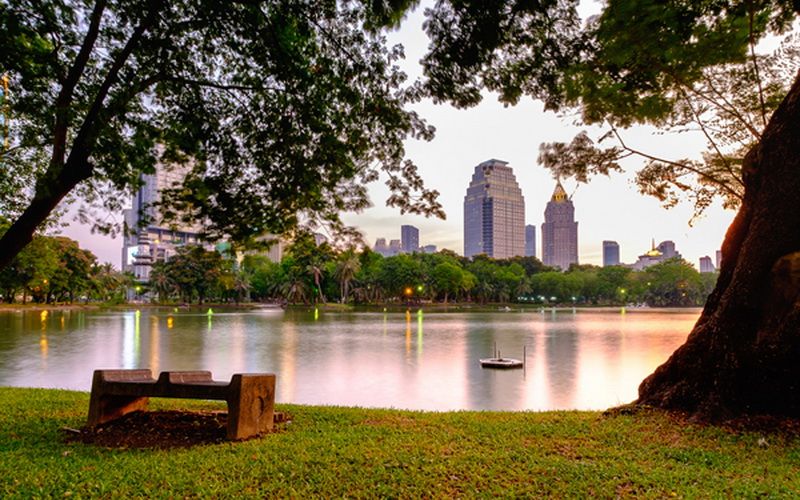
[[49, 192], [742, 355]]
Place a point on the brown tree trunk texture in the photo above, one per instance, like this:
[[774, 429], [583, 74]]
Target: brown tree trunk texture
[[743, 355], [54, 188]]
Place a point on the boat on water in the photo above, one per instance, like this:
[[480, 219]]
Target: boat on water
[[500, 363]]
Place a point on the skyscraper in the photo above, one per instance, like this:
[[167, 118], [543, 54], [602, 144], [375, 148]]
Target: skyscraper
[[559, 231], [706, 266], [494, 212], [147, 237], [530, 240], [409, 238], [610, 253]]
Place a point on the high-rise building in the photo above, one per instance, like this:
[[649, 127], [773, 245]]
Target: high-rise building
[[610, 253], [706, 266], [667, 248], [147, 237], [530, 240], [381, 247], [559, 231], [494, 212], [429, 249], [409, 238]]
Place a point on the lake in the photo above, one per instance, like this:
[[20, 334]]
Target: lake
[[584, 359]]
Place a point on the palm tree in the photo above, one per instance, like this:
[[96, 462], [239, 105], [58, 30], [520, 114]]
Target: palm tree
[[161, 282], [295, 290], [241, 286], [316, 273], [484, 290], [346, 269]]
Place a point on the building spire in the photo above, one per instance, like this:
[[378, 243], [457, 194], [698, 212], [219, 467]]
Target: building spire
[[559, 194]]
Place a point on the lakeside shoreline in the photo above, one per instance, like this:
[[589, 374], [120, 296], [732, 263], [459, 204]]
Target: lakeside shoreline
[[336, 307]]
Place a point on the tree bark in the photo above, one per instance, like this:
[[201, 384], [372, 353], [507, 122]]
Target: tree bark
[[48, 195], [743, 355]]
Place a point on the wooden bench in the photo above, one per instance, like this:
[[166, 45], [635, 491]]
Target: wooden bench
[[250, 396]]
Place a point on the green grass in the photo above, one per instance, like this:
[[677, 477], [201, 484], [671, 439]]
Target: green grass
[[334, 452]]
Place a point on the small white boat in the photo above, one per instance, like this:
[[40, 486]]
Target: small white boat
[[500, 363]]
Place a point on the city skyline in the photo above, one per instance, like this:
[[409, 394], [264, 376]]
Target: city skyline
[[514, 133]]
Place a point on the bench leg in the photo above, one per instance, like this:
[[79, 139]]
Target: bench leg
[[251, 405], [104, 407]]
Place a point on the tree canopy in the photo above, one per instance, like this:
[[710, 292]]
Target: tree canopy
[[284, 109], [678, 66]]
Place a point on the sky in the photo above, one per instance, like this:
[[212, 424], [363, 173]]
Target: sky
[[608, 208]]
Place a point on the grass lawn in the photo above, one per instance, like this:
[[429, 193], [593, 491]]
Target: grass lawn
[[334, 452]]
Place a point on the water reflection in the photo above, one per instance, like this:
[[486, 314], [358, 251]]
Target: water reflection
[[584, 360]]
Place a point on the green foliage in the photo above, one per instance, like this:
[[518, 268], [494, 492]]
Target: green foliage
[[194, 273], [679, 66], [55, 269], [284, 109], [674, 282], [264, 276], [399, 273], [333, 452], [447, 278]]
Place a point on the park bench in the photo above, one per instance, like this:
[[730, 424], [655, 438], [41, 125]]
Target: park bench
[[250, 396]]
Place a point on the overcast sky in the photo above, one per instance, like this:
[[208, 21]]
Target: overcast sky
[[606, 209]]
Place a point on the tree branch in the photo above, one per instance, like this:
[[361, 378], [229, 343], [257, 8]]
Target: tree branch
[[682, 166], [219, 86], [728, 108], [710, 139], [64, 98], [80, 150], [755, 64]]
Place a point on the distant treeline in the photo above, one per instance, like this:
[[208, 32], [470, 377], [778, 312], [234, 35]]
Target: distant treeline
[[55, 269], [310, 274]]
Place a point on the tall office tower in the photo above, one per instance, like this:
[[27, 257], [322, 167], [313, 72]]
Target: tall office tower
[[610, 253], [381, 247], [147, 237], [530, 240], [559, 231], [409, 239], [494, 212], [706, 266]]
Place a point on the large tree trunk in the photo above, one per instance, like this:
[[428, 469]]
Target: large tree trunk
[[49, 192], [743, 355]]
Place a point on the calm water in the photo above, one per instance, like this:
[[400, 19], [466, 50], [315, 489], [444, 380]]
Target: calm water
[[583, 360]]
